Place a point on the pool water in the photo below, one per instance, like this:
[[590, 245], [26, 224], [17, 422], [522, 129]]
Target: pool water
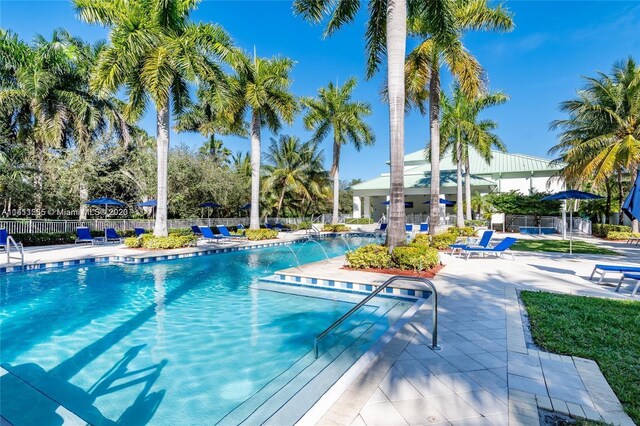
[[189, 341]]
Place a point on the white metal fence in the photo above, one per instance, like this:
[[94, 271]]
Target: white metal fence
[[515, 222]]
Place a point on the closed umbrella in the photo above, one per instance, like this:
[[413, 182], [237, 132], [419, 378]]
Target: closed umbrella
[[571, 194], [631, 206]]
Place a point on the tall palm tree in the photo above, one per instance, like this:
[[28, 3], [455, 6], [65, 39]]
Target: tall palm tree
[[386, 34], [601, 137], [442, 25], [154, 52], [461, 132], [216, 151], [289, 167], [333, 112], [262, 87]]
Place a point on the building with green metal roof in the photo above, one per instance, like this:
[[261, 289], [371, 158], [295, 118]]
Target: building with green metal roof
[[505, 172]]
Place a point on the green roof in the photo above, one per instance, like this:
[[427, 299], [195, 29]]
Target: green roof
[[420, 180]]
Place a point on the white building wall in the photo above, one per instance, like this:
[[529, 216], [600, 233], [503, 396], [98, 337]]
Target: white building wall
[[514, 184]]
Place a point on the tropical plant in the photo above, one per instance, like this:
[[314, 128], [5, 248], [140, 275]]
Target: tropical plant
[[333, 112], [262, 88], [289, 167], [601, 137], [154, 52], [441, 26], [461, 132], [386, 34]]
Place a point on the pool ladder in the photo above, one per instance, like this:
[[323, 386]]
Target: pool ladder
[[434, 301], [18, 247]]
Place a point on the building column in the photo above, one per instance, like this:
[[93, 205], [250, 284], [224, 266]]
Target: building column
[[357, 207], [367, 207]]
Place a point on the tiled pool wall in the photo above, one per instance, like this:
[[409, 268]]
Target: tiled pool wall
[[149, 257], [347, 286]]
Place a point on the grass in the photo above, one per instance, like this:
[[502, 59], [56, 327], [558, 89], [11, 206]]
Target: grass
[[561, 246], [599, 329]]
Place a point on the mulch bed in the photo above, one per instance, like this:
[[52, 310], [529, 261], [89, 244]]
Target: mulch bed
[[405, 273]]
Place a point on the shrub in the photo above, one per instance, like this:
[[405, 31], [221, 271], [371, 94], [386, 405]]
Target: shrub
[[415, 256], [615, 235], [369, 256], [467, 231], [475, 223], [181, 232], [133, 242], [336, 228], [45, 239], [304, 225], [443, 241], [603, 229], [422, 239], [170, 242], [261, 234]]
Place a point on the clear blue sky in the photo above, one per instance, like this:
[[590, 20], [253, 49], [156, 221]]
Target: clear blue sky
[[539, 64]]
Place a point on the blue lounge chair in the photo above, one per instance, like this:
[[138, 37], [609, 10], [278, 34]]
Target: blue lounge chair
[[224, 232], [498, 250], [630, 277], [110, 234], [196, 230], [208, 235], [382, 228], [424, 228], [84, 236], [605, 269], [139, 231], [3, 239], [268, 225], [483, 242], [280, 227], [408, 228]]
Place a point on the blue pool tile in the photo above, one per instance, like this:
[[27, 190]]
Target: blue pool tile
[[368, 287], [349, 285], [411, 292], [314, 281], [332, 283], [389, 290], [298, 279]]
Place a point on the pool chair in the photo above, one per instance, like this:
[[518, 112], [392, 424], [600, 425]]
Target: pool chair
[[632, 240], [224, 233], [498, 250], [281, 228], [139, 231], [408, 228], [110, 234], [424, 228], [4, 235], [620, 269], [382, 228], [208, 235], [630, 277], [472, 242], [268, 225], [196, 230], [84, 236]]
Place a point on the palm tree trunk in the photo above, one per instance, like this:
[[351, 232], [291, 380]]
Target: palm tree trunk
[[336, 181], [607, 205], [620, 199], [162, 147], [280, 201], [634, 222], [434, 127], [84, 197], [459, 207], [396, 47], [254, 222], [38, 180], [467, 187]]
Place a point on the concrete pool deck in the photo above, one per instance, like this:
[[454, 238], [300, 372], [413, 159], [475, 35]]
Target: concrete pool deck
[[487, 373]]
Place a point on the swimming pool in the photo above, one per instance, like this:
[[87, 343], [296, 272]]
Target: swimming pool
[[189, 341]]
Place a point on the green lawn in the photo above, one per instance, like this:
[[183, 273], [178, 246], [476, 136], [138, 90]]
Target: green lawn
[[607, 331], [560, 246]]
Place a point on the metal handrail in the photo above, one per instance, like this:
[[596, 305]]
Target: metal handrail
[[434, 300], [18, 247]]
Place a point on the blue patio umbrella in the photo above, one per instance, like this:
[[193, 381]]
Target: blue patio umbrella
[[104, 201], [210, 205], [571, 194], [150, 203], [631, 206], [443, 201], [246, 206]]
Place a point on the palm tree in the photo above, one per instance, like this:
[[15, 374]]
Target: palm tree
[[601, 137], [386, 34], [290, 165], [333, 111], [154, 52], [461, 132], [45, 100], [442, 25], [263, 88]]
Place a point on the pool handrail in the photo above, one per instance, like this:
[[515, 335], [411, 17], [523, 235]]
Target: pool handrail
[[434, 300]]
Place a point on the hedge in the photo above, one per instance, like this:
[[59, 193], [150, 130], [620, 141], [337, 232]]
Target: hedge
[[150, 242], [602, 229], [53, 238], [443, 241], [370, 256], [467, 231], [417, 257], [615, 235], [336, 228], [261, 234]]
